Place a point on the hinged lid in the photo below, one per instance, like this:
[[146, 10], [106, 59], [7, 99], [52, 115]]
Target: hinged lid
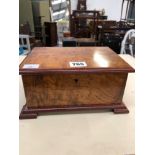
[[57, 60]]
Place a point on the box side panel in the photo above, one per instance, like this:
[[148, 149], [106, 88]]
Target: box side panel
[[74, 89]]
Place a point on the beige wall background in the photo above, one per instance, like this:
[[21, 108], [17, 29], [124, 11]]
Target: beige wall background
[[41, 8], [25, 13], [28, 7]]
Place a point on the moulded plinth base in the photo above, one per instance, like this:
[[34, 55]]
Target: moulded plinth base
[[29, 113]]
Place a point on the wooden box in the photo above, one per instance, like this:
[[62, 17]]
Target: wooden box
[[51, 84]]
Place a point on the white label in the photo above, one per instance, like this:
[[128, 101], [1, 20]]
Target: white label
[[78, 64], [31, 66]]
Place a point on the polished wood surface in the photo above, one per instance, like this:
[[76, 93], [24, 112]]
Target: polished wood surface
[[55, 86], [72, 89], [29, 113], [56, 59]]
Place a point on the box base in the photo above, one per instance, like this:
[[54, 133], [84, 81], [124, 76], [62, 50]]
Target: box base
[[31, 113]]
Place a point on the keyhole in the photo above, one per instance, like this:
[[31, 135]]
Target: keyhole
[[76, 80]]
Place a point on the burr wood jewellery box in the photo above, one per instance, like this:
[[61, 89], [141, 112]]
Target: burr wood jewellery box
[[73, 78]]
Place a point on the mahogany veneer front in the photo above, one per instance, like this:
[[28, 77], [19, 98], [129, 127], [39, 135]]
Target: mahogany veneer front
[[55, 86]]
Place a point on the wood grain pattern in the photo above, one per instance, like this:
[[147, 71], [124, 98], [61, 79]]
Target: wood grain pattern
[[72, 89], [55, 86], [56, 60]]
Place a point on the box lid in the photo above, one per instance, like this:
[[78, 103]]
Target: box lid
[[58, 60]]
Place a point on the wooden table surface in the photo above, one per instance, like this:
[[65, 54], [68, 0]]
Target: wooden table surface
[[56, 59]]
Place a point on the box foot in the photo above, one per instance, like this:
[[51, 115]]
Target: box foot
[[25, 114], [121, 110]]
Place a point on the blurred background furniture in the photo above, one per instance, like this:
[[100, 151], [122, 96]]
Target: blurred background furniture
[[111, 33], [24, 29], [128, 43], [79, 23], [86, 42], [72, 42], [24, 43], [38, 27], [51, 33], [66, 34], [81, 5], [69, 42]]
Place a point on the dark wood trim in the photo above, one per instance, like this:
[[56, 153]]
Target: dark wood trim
[[28, 113], [88, 11], [75, 71], [121, 110], [116, 28]]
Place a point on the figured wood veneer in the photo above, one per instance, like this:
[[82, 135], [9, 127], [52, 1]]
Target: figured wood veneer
[[56, 60], [55, 86], [72, 89]]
